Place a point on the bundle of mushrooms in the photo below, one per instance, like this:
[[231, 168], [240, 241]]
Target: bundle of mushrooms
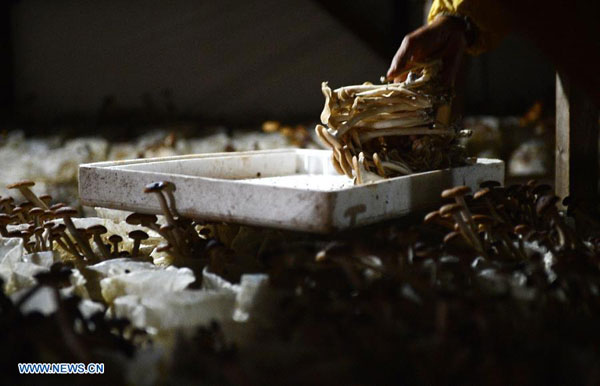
[[387, 130]]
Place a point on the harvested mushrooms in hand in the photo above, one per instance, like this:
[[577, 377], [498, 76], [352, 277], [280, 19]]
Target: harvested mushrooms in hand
[[399, 128]]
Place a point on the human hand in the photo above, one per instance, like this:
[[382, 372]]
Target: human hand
[[445, 38]]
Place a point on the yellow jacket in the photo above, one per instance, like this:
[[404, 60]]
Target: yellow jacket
[[485, 15]]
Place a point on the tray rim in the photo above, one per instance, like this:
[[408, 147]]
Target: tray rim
[[327, 205], [110, 164]]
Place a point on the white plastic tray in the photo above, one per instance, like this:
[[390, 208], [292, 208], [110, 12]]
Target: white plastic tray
[[295, 189]]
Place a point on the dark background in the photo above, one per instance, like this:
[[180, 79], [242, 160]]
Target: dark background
[[227, 61]]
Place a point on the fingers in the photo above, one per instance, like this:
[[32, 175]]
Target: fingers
[[418, 46], [401, 59], [437, 40]]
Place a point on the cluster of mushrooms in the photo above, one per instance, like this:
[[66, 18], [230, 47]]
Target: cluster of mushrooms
[[45, 227], [182, 238], [36, 222], [498, 220], [388, 130]]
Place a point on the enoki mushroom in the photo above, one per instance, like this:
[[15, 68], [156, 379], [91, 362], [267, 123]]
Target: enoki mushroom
[[387, 130]]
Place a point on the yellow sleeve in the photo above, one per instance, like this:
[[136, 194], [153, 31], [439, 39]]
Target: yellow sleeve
[[485, 15]]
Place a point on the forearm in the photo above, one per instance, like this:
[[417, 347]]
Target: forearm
[[487, 17], [567, 32]]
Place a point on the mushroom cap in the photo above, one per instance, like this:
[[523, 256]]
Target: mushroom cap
[[38, 230], [457, 191], [483, 227], [140, 219], [154, 187], [36, 211], [97, 229], [489, 184], [567, 201], [57, 206], [26, 206], [84, 232], [6, 199], [163, 248], [321, 256], [65, 211], [21, 184], [167, 227], [544, 203], [138, 235], [482, 219], [57, 227], [522, 229], [45, 197], [115, 239], [450, 209], [431, 216], [481, 193], [451, 237], [17, 209], [531, 183]]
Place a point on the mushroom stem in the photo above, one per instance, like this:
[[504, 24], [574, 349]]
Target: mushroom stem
[[378, 165], [468, 218], [344, 127], [399, 131], [39, 243], [6, 206], [169, 189], [101, 246], [336, 164], [67, 249], [29, 195], [115, 240], [71, 246], [165, 208], [85, 248], [562, 235], [511, 247], [396, 166], [407, 122], [466, 231], [136, 248], [21, 217]]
